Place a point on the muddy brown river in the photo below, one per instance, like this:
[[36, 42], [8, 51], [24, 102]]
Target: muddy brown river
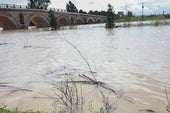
[[135, 60]]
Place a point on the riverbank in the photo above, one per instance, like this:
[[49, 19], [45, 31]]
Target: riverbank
[[142, 23], [146, 18]]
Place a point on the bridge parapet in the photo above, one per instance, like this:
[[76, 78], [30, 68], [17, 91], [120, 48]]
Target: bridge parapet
[[14, 6], [57, 10]]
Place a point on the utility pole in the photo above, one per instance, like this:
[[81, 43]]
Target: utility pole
[[142, 10]]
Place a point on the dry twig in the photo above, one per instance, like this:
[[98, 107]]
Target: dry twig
[[168, 101]]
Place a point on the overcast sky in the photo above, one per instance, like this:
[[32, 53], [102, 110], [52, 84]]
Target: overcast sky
[[151, 6]]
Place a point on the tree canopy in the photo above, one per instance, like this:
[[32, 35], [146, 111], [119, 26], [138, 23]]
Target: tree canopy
[[129, 14], [110, 16], [81, 11], [103, 13], [38, 4], [53, 20], [70, 7]]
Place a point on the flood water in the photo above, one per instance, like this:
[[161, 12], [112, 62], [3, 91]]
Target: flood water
[[31, 58]]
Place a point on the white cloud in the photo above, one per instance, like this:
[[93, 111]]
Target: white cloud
[[151, 6]]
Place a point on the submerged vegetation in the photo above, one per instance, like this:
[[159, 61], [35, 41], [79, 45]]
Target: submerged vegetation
[[53, 20], [110, 17], [70, 91]]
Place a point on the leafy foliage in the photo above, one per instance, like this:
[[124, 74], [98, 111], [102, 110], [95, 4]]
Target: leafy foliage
[[81, 11], [53, 21], [129, 14], [103, 13], [110, 17], [38, 4], [70, 7]]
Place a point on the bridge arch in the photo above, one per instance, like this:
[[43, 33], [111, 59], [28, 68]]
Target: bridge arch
[[39, 21], [98, 20], [8, 22], [90, 21], [78, 21], [63, 20]]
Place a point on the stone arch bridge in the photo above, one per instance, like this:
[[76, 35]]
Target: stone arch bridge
[[19, 17]]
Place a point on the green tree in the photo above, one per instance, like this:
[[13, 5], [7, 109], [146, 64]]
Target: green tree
[[70, 7], [38, 4], [81, 11], [53, 20], [90, 12], [110, 17], [31, 4], [130, 14], [103, 13]]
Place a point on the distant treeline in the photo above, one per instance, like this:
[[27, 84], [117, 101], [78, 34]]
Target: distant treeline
[[167, 16], [146, 17], [129, 15]]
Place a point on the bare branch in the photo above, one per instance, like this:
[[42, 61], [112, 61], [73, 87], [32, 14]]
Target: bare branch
[[85, 60], [167, 98]]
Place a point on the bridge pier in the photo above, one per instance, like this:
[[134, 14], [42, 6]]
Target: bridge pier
[[23, 26]]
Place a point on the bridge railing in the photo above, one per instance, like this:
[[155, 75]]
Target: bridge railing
[[13, 6], [57, 10]]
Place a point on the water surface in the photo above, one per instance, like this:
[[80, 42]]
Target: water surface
[[32, 58]]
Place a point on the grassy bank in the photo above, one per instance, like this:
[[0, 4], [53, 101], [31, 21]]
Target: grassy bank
[[5, 110], [146, 18]]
